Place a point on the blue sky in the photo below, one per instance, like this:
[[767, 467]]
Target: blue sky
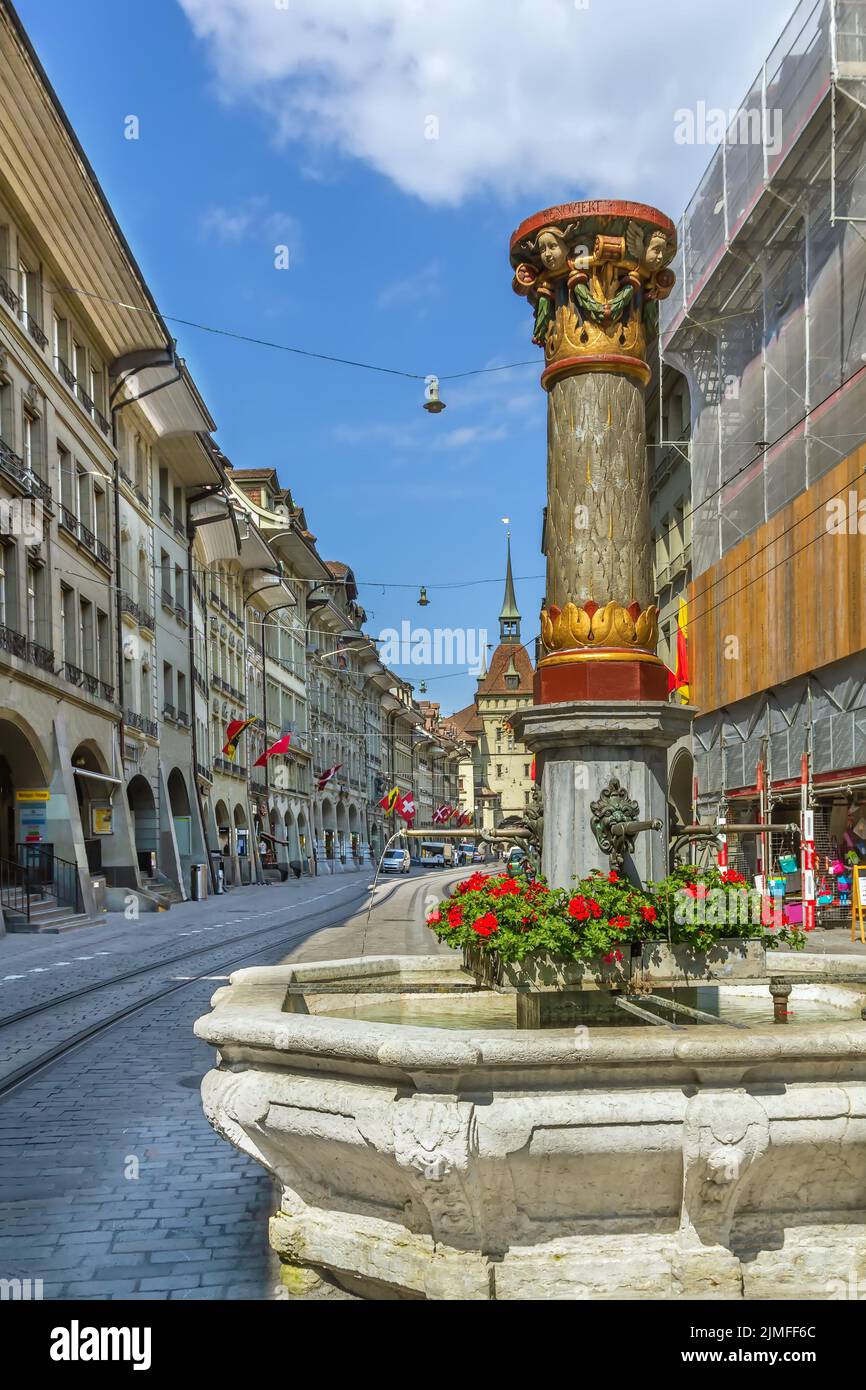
[[305, 123]]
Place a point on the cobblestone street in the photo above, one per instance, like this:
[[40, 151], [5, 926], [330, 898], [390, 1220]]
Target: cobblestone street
[[114, 1184]]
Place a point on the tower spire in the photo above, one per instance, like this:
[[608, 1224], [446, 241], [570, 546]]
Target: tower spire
[[509, 617]]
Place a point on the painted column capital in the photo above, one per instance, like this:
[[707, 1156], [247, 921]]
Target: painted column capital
[[594, 272]]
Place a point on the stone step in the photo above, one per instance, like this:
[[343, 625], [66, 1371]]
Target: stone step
[[67, 920]]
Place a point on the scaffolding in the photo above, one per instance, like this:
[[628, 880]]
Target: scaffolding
[[767, 320]]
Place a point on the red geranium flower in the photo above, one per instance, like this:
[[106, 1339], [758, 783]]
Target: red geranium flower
[[507, 886], [696, 890], [731, 876], [455, 915], [485, 925], [613, 876], [593, 907], [433, 918], [619, 922], [649, 914], [612, 956], [578, 907], [473, 884]]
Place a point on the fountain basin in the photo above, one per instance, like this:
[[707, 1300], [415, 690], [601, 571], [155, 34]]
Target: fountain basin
[[460, 1162]]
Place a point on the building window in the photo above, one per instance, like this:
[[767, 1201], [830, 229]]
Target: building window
[[7, 417], [102, 645], [34, 601], [165, 570], [67, 627], [498, 769], [60, 341], [85, 635], [181, 693]]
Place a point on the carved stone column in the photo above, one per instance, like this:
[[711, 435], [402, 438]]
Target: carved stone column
[[593, 273]]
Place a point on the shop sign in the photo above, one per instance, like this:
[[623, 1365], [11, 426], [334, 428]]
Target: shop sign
[[100, 818], [34, 794]]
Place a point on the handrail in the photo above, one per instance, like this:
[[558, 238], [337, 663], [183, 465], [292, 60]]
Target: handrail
[[44, 867], [14, 888]]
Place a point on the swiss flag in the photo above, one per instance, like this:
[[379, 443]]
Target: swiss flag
[[406, 808]]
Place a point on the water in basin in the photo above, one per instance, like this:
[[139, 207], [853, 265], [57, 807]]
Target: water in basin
[[739, 1005]]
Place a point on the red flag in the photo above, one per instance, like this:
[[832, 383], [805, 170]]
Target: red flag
[[281, 746], [234, 729], [389, 800], [532, 771], [442, 815], [324, 777], [405, 807]]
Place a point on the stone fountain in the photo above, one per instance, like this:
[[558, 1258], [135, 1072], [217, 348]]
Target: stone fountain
[[430, 1136]]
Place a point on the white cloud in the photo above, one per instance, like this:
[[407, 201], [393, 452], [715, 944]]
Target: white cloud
[[533, 98], [252, 217]]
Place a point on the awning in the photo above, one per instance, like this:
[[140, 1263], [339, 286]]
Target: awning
[[98, 777]]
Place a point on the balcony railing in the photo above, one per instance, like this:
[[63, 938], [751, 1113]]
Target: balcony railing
[[129, 605], [73, 673], [86, 401], [42, 657], [204, 772], [167, 598], [180, 614], [107, 691], [13, 642], [164, 509], [141, 722], [127, 479], [168, 712], [183, 718], [8, 294], [14, 467], [90, 683], [179, 527], [65, 373], [147, 620], [34, 328], [101, 421], [199, 680]]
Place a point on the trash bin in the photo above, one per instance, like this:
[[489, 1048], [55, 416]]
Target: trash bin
[[218, 871], [198, 882], [99, 884]]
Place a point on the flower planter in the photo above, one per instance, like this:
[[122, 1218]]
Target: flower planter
[[541, 971], [732, 958]]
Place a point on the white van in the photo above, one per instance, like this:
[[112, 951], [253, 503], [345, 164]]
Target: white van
[[396, 861]]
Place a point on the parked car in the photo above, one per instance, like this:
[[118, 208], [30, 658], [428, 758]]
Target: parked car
[[516, 859], [396, 861]]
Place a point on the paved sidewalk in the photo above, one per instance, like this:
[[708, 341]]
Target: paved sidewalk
[[112, 1184]]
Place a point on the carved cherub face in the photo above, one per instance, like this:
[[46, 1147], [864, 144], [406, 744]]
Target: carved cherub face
[[552, 251], [656, 252]]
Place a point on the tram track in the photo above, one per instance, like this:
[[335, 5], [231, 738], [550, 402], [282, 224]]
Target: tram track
[[336, 915]]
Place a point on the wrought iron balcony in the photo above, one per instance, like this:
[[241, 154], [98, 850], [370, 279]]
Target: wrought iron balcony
[[86, 401], [167, 598], [204, 772], [41, 656], [129, 605], [73, 673], [101, 421], [14, 467], [127, 479], [168, 711], [107, 691], [179, 527], [8, 294], [183, 717], [86, 536], [65, 373], [199, 680], [90, 683], [146, 619], [13, 642], [142, 722], [69, 520], [141, 495], [180, 614], [34, 328], [164, 509], [259, 787]]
